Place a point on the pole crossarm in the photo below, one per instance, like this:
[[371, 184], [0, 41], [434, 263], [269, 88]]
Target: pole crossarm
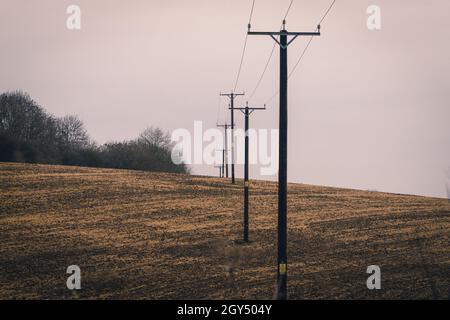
[[247, 108], [284, 33], [226, 126], [232, 94], [251, 110]]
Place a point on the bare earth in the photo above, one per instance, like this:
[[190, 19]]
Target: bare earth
[[138, 235]]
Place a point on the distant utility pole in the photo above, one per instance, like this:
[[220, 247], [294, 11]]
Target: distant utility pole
[[222, 166], [232, 96], [225, 143], [223, 162], [220, 170], [247, 111], [282, 171]]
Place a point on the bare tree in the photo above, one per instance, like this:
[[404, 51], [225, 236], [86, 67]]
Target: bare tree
[[155, 137], [72, 132], [21, 117], [29, 134]]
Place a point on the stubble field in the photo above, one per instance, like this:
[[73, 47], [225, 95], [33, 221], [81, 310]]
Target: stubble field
[[138, 235]]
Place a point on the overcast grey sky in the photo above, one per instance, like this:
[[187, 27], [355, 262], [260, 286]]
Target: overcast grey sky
[[367, 109]]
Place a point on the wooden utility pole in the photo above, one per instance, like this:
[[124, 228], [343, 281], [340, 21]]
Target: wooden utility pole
[[220, 170], [232, 96], [282, 171], [222, 165], [247, 112], [225, 143]]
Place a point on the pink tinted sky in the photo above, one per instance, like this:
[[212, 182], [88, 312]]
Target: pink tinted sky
[[368, 109]]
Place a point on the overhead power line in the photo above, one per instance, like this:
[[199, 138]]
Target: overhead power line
[[310, 39], [326, 13], [306, 48], [270, 56], [288, 9], [264, 72], [244, 48]]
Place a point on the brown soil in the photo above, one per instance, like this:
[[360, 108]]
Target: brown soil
[[138, 235]]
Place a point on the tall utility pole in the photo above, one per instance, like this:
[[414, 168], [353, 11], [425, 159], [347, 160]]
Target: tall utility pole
[[282, 170], [225, 143], [232, 96], [247, 111]]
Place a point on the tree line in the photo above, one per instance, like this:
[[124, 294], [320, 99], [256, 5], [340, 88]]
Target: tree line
[[30, 134]]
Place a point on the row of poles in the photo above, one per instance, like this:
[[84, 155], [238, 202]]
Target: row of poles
[[283, 38]]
